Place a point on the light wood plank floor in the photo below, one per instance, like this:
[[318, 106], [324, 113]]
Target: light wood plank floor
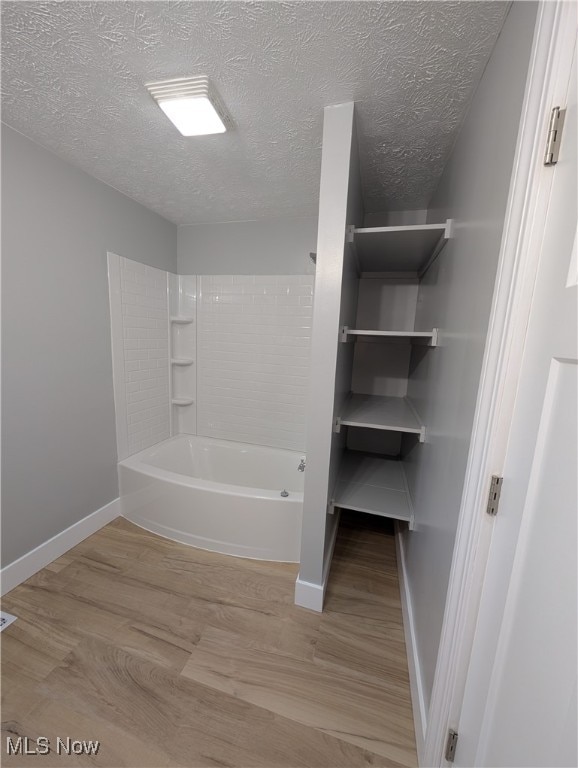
[[171, 656]]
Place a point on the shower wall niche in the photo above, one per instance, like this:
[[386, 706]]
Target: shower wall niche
[[183, 351]]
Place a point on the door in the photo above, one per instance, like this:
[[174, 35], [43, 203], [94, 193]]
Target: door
[[529, 716]]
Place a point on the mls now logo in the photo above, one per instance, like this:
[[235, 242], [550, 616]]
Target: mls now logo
[[41, 746]]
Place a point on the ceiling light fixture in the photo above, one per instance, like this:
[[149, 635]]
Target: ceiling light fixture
[[191, 104]]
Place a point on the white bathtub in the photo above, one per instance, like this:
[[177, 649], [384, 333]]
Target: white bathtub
[[217, 495]]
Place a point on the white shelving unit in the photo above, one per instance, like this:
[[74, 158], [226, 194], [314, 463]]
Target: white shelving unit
[[397, 256], [431, 336], [395, 414], [374, 290], [374, 485], [391, 253], [410, 248]]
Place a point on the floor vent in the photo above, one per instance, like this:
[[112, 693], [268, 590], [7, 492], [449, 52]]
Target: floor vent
[[6, 619]]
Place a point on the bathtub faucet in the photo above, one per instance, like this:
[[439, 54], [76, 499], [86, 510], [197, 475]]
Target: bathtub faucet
[[301, 467]]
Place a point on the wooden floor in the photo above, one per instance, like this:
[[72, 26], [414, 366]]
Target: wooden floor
[[171, 656]]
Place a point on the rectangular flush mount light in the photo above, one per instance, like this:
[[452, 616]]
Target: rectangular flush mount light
[[191, 105]]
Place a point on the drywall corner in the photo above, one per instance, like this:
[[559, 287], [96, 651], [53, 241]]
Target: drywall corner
[[26, 566]]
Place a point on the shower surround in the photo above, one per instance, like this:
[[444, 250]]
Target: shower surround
[[253, 338], [140, 354], [223, 357]]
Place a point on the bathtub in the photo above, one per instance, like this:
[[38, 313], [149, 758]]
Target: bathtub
[[217, 495]]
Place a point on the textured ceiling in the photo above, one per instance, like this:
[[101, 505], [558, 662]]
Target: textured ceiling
[[73, 77]]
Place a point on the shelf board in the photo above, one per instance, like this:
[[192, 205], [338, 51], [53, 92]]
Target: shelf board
[[182, 319], [431, 335], [374, 485], [182, 361], [394, 414], [182, 401], [400, 249]]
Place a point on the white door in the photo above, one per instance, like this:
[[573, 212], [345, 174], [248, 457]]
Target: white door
[[529, 717]]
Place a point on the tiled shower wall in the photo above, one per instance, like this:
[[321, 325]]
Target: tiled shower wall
[[252, 335], [139, 311], [253, 342]]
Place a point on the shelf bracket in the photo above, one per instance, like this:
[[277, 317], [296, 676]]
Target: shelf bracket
[[344, 333], [337, 424], [349, 233], [435, 337], [421, 433], [331, 507]]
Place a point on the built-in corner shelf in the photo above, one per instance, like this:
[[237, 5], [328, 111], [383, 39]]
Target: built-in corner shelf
[[430, 336], [182, 401], [410, 248], [182, 361], [182, 319], [372, 484], [393, 414]]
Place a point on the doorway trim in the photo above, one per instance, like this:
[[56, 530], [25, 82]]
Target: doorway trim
[[516, 274]]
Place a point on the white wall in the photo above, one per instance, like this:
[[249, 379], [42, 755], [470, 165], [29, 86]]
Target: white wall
[[395, 218], [269, 247], [58, 429], [335, 302], [349, 312], [455, 296], [253, 338]]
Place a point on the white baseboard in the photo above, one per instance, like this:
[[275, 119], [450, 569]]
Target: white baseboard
[[415, 678], [308, 594], [32, 562]]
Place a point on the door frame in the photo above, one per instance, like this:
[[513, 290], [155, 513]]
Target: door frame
[[517, 268]]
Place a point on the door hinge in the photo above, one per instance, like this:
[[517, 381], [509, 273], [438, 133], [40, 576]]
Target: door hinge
[[554, 136], [494, 495], [451, 745]]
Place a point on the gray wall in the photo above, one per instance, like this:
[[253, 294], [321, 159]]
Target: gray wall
[[270, 247], [58, 431], [456, 295]]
